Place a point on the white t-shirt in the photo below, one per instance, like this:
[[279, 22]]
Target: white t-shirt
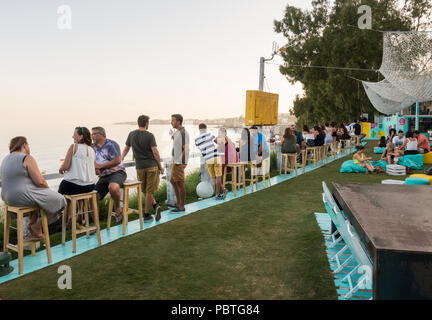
[[411, 144], [398, 142]]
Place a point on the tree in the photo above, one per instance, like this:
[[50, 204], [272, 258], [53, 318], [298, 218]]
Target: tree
[[322, 40]]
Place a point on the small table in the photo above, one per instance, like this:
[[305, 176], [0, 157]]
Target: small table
[[394, 222]]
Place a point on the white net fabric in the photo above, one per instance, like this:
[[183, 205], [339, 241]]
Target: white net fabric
[[386, 98], [407, 68], [407, 62]]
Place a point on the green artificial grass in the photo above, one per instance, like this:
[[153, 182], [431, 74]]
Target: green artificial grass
[[266, 245]]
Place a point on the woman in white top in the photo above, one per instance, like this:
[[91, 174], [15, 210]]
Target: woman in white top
[[78, 166], [410, 145]]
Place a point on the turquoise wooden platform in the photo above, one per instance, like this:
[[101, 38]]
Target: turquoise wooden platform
[[63, 252], [324, 222]]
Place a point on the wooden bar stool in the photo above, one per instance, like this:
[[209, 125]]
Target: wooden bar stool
[[19, 247], [127, 185], [345, 145], [264, 173], [315, 155], [334, 149], [85, 198], [233, 182], [284, 156], [253, 180], [292, 159]]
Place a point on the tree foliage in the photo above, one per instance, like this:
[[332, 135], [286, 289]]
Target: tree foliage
[[328, 36]]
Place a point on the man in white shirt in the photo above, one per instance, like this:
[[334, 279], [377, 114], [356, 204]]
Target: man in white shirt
[[206, 143], [399, 139]]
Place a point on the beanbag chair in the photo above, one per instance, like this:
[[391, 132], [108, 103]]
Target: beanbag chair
[[381, 163], [413, 161], [427, 158], [379, 150], [417, 181], [349, 167], [424, 176]]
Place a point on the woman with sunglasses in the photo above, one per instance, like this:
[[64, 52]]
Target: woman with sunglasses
[[78, 167]]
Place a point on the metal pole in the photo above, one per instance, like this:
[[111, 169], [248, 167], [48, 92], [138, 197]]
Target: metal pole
[[417, 115], [261, 76]]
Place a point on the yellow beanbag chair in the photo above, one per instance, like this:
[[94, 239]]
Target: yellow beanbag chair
[[427, 158], [424, 176]]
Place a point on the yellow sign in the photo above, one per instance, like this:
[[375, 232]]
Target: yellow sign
[[261, 108]]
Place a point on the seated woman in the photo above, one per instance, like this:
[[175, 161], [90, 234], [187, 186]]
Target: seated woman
[[392, 134], [226, 149], [342, 134], [382, 143], [389, 154], [78, 167], [319, 136], [23, 186], [288, 142], [410, 145], [361, 159]]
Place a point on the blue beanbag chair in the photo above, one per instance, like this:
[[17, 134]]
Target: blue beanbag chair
[[381, 163], [379, 150], [417, 181], [349, 167], [413, 161]]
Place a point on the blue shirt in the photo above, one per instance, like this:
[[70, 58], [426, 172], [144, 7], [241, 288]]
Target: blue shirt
[[108, 152], [259, 139]]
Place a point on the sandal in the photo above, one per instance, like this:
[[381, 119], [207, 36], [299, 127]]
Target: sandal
[[119, 216]]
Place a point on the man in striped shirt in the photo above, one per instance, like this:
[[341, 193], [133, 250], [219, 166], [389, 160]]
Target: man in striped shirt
[[206, 143]]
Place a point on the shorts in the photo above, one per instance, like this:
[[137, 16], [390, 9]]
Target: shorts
[[149, 178], [102, 186], [410, 152], [177, 172], [214, 167], [70, 188]]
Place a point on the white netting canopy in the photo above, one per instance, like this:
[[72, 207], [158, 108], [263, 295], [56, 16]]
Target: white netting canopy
[[386, 98], [407, 68]]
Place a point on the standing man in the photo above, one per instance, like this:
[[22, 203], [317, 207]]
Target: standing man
[[205, 142], [180, 155], [357, 128], [147, 163], [109, 168]]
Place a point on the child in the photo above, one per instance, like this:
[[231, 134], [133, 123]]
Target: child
[[361, 159], [389, 154]]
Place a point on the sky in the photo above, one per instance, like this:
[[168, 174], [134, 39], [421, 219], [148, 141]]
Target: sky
[[123, 58]]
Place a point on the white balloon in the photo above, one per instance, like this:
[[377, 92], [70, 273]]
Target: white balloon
[[204, 189]]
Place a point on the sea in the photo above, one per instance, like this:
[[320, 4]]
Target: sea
[[48, 145]]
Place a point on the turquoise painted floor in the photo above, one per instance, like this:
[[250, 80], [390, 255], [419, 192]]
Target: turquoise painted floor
[[324, 222], [63, 252]]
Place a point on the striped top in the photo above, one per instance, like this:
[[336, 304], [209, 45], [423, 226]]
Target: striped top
[[205, 142]]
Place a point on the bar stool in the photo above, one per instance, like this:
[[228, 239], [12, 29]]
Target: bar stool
[[292, 159], [19, 247], [127, 185], [253, 180], [345, 145], [315, 155], [233, 182], [284, 156], [334, 149], [86, 198], [264, 173]]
